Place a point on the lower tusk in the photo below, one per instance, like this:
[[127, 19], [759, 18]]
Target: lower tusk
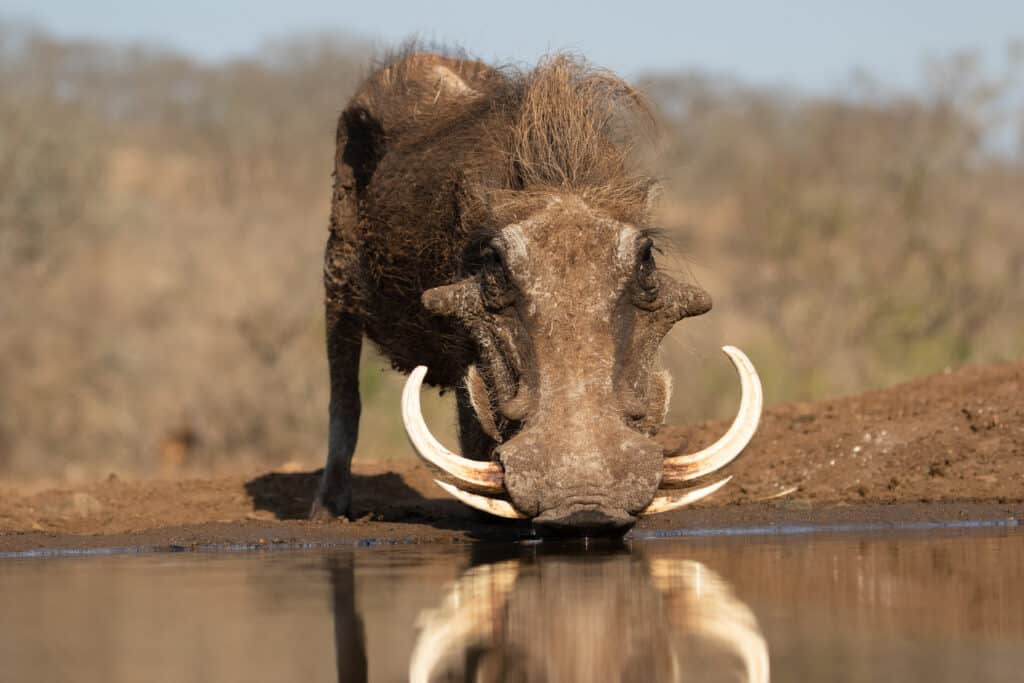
[[671, 502], [494, 506], [678, 470], [485, 477]]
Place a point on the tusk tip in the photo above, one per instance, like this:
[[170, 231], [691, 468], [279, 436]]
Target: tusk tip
[[673, 501], [684, 468]]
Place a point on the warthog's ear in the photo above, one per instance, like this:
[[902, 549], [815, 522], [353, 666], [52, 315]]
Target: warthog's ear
[[360, 147], [450, 83], [458, 300]]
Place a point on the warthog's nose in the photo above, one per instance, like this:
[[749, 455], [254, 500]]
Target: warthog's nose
[[585, 520], [585, 480]]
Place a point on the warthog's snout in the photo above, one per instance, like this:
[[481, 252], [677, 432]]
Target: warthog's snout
[[567, 478]]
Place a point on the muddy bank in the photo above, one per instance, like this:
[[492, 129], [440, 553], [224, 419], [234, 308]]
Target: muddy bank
[[943, 449], [754, 518]]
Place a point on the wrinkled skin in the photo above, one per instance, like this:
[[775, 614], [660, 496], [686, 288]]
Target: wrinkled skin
[[529, 286]]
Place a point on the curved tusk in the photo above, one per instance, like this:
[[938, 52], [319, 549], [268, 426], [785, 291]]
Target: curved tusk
[[670, 502], [483, 477], [680, 469], [494, 506]]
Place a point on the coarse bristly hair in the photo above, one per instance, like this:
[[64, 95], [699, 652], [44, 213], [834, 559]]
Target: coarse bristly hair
[[563, 125], [576, 127]]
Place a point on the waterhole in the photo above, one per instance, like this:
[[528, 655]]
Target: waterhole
[[920, 606]]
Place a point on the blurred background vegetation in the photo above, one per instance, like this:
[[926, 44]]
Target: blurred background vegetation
[[162, 223]]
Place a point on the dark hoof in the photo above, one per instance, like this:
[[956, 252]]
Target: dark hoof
[[329, 511]]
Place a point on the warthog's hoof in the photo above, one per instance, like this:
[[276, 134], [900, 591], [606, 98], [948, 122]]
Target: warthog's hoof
[[329, 509]]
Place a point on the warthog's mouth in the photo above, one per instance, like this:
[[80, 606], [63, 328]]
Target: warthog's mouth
[[480, 484], [586, 518]]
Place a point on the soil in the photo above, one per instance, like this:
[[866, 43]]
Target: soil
[[948, 448]]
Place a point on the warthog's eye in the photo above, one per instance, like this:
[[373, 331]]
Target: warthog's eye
[[495, 287], [646, 289]]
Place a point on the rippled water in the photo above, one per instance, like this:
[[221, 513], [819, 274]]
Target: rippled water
[[911, 607]]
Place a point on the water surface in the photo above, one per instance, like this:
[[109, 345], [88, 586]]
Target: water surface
[[936, 606]]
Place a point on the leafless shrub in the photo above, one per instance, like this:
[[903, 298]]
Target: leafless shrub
[[162, 225], [855, 241]]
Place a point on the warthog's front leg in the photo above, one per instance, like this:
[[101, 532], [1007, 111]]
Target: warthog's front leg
[[344, 342]]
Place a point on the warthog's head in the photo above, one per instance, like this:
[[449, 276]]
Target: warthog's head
[[568, 309]]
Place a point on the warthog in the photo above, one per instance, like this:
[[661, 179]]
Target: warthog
[[490, 233]]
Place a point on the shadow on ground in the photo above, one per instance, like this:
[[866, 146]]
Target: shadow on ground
[[382, 497]]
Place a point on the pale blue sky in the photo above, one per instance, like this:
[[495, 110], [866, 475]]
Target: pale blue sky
[[801, 43]]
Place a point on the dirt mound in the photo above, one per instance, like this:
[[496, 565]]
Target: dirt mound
[[956, 436], [941, 448]]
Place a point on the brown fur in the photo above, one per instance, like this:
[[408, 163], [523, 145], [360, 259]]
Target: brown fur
[[436, 157]]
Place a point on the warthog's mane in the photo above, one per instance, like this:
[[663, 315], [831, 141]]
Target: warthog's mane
[[563, 125]]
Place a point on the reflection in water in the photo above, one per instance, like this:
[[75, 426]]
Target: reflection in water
[[612, 616], [850, 608], [349, 638]]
